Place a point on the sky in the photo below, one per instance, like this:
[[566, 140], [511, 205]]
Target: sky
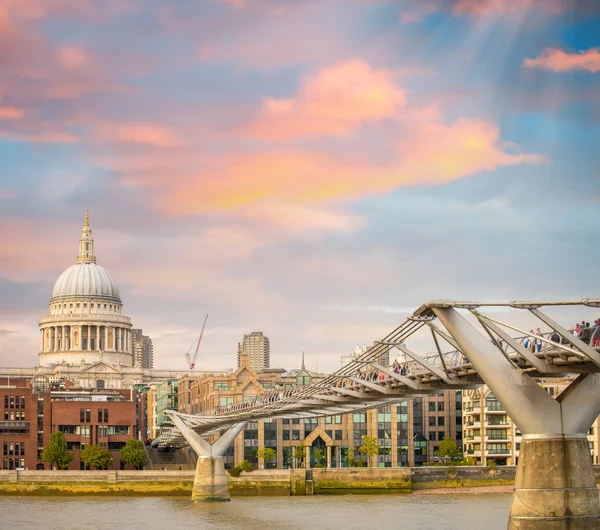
[[311, 169]]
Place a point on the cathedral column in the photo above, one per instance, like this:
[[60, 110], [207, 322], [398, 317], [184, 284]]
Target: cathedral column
[[117, 338], [63, 340], [106, 338], [89, 337], [53, 333], [41, 339], [97, 343]]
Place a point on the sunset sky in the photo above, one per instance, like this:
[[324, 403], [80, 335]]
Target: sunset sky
[[311, 169]]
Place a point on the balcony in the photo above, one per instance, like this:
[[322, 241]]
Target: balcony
[[497, 425], [494, 407], [13, 428], [472, 423], [473, 452], [498, 452], [498, 440], [472, 438]]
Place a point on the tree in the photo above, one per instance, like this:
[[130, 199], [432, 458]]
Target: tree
[[55, 453], [448, 449], [319, 455], [369, 447], [133, 453], [266, 453], [299, 455], [96, 456]]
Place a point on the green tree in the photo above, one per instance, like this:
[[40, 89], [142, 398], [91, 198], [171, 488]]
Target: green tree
[[448, 449], [55, 453], [134, 454], [369, 447], [319, 456], [266, 453], [299, 455], [96, 457], [352, 460]]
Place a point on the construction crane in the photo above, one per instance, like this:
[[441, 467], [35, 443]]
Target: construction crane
[[192, 362]]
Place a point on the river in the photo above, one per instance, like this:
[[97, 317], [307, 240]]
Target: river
[[422, 512]]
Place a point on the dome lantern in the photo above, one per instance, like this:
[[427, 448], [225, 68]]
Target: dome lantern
[[86, 243]]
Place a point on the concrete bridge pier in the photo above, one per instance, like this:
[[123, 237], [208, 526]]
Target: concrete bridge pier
[[555, 488], [210, 482]]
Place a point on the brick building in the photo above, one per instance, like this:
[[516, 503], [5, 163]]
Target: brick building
[[98, 417], [24, 423], [31, 410]]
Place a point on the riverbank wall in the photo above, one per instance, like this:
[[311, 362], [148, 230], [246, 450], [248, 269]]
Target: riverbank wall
[[260, 482]]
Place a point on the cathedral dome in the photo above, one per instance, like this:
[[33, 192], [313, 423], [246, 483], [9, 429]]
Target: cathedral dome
[[86, 279]]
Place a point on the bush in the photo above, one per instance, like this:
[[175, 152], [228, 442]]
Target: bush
[[451, 470], [244, 465], [491, 465]]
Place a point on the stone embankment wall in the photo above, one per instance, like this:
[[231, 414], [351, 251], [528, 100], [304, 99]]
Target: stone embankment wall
[[260, 482]]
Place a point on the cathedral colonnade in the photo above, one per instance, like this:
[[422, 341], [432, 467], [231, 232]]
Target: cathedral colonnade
[[85, 337]]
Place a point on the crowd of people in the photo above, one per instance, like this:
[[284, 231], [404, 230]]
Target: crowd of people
[[584, 331]]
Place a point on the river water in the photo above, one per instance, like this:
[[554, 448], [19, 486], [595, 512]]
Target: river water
[[422, 512]]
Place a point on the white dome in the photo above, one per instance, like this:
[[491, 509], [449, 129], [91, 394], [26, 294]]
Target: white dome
[[86, 279]]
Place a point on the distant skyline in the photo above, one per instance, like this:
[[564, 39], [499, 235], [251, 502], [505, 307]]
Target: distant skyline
[[310, 169]]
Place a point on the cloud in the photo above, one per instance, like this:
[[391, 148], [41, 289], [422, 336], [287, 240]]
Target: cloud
[[333, 102], [10, 113], [151, 134], [557, 60], [417, 10], [428, 153]]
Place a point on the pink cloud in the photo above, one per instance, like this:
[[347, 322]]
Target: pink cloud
[[333, 102], [429, 153], [487, 7], [10, 113], [557, 60], [151, 134]]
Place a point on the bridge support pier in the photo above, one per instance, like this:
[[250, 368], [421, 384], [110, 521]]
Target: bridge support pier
[[555, 488], [210, 482]]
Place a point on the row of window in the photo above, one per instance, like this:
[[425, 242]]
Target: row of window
[[103, 430], [13, 449], [14, 416], [14, 402], [56, 307], [13, 463], [85, 415]]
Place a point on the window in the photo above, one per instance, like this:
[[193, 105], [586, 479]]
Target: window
[[295, 421], [105, 415], [285, 435], [22, 402], [441, 435], [221, 386], [118, 429], [432, 436], [328, 419], [84, 431], [440, 421], [338, 419], [338, 435], [88, 415], [295, 435], [431, 406], [81, 415], [102, 431], [69, 429], [432, 421], [99, 415], [359, 418], [440, 406], [224, 401], [285, 421]]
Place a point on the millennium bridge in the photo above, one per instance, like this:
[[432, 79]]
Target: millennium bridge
[[555, 487]]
